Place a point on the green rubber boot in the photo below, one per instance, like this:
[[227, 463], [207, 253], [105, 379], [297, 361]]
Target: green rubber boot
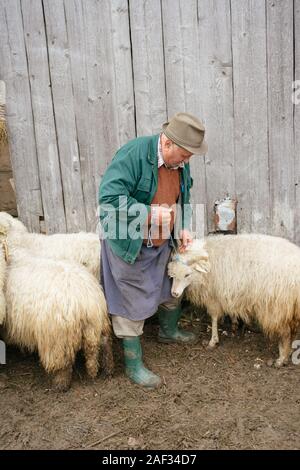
[[134, 366], [168, 327]]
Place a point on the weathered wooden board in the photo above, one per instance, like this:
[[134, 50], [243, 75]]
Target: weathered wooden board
[[77, 37], [296, 98], [280, 116], [103, 134], [64, 110], [123, 73], [183, 83], [215, 91], [148, 65], [103, 88], [43, 117], [250, 114], [14, 71]]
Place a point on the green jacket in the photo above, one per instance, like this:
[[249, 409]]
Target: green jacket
[[133, 174]]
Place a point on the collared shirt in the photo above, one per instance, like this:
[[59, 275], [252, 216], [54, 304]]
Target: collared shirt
[[161, 159]]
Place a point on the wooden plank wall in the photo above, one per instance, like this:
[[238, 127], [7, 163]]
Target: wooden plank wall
[[85, 76], [297, 119]]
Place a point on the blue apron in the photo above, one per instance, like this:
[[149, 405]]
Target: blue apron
[[135, 291]]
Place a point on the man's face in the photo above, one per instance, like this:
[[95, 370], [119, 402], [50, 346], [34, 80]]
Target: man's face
[[174, 155]]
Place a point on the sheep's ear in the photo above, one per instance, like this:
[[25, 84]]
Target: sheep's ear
[[4, 225], [196, 257], [204, 256], [200, 268], [3, 231]]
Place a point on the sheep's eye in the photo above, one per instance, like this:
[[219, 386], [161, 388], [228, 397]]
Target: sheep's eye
[[187, 275]]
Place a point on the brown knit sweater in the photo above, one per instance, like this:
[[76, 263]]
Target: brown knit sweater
[[167, 193]]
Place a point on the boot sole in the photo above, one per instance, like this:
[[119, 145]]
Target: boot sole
[[146, 387], [176, 341]]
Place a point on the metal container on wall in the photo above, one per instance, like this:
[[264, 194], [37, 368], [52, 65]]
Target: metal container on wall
[[225, 215]]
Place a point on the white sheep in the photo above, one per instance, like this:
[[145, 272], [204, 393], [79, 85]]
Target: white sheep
[[56, 308], [2, 279], [246, 276], [7, 221], [82, 247]]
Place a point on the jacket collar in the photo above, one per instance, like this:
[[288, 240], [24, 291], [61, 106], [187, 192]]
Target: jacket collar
[[152, 153]]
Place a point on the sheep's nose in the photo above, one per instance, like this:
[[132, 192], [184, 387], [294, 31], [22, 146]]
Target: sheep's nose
[[175, 294]]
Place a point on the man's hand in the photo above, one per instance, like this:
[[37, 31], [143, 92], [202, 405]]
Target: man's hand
[[186, 239]]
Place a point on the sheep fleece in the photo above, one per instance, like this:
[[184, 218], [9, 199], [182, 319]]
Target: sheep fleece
[[2, 279], [252, 276], [54, 307]]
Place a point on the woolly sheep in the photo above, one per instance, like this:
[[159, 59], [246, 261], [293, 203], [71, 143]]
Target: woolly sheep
[[247, 276], [7, 221], [56, 308], [2, 278], [84, 248]]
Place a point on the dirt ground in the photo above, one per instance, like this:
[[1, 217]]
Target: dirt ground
[[229, 398]]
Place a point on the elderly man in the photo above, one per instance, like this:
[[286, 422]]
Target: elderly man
[[149, 176]]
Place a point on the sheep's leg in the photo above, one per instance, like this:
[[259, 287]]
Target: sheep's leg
[[214, 333], [91, 343], [92, 364], [107, 355], [284, 348], [61, 380], [215, 311], [234, 325]]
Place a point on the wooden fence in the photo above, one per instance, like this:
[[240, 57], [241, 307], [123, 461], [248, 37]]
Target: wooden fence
[[84, 76]]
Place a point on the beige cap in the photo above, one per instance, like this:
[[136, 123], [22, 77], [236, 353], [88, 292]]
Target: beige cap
[[187, 131]]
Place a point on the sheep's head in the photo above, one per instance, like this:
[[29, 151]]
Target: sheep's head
[[8, 224], [186, 267]]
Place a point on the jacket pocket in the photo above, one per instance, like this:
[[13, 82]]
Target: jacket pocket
[[144, 184], [143, 189]]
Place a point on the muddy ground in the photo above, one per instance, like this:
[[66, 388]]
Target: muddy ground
[[229, 398]]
